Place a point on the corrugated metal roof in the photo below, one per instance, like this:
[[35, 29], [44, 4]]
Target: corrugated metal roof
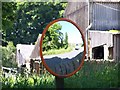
[[105, 16]]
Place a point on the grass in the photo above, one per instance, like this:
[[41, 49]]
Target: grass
[[92, 75], [95, 75], [58, 51]]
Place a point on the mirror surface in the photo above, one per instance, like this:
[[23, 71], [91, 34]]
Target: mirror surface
[[62, 47]]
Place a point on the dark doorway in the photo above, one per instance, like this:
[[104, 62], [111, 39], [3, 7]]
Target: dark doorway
[[98, 52]]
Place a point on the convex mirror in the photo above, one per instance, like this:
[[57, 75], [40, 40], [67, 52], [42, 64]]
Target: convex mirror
[[62, 47]]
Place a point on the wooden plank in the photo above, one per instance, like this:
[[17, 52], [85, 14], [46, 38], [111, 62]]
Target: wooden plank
[[114, 48], [63, 69], [68, 70], [53, 68], [59, 82], [71, 67], [75, 64], [118, 47], [58, 69]]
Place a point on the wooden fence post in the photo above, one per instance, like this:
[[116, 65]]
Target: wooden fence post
[[59, 83]]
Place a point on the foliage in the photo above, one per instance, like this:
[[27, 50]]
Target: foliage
[[8, 55], [92, 75], [23, 21], [66, 40], [51, 39], [58, 51], [8, 18], [54, 38], [33, 81]]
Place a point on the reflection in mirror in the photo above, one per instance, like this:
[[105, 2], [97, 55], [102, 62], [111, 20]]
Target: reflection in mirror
[[63, 47]]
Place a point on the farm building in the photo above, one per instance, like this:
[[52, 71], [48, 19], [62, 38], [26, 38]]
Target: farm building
[[28, 56], [97, 18], [23, 53]]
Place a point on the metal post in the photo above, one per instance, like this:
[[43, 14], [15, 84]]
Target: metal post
[[59, 83]]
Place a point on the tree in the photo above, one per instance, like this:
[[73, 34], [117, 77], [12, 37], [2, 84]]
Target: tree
[[53, 36], [28, 19], [8, 55], [66, 41], [8, 18]]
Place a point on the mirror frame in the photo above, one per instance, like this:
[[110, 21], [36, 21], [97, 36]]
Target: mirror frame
[[41, 41]]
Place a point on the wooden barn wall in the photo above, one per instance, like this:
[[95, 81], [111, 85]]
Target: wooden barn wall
[[105, 15], [78, 12], [116, 50], [99, 38]]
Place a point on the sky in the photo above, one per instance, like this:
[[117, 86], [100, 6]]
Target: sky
[[74, 35]]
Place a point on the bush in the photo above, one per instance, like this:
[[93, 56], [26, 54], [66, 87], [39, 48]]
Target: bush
[[32, 81], [8, 55], [92, 75]]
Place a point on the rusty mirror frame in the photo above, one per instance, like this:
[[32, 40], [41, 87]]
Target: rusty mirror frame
[[41, 54]]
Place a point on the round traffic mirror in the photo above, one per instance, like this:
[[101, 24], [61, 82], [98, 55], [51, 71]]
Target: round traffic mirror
[[62, 47]]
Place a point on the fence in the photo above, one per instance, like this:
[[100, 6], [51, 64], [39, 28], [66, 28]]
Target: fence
[[36, 66], [66, 66]]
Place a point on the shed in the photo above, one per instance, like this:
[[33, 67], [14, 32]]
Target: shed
[[29, 55], [23, 53]]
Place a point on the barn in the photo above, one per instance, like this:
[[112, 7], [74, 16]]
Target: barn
[[100, 23]]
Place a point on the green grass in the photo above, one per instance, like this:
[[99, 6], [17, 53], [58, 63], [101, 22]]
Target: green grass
[[58, 51], [92, 75], [95, 75]]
